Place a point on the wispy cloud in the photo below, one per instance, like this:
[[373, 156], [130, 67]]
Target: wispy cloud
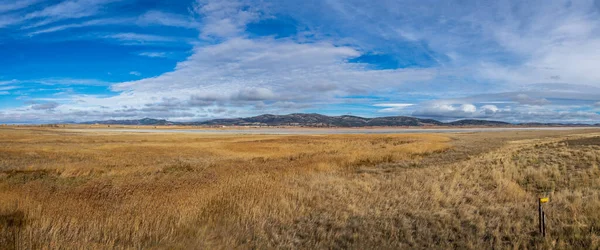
[[9, 20], [68, 81], [155, 17], [153, 54], [65, 10], [69, 9], [136, 37], [8, 87], [13, 81], [96, 22], [221, 19], [10, 5], [392, 107]]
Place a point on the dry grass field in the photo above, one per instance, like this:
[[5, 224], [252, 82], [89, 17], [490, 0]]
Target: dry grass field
[[65, 190]]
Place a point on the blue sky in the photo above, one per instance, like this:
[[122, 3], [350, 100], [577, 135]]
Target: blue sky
[[516, 61]]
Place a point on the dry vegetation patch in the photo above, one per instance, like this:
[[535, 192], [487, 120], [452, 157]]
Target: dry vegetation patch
[[93, 190]]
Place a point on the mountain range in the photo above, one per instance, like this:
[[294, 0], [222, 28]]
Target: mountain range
[[318, 120]]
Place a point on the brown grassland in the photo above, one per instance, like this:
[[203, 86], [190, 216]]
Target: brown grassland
[[100, 190]]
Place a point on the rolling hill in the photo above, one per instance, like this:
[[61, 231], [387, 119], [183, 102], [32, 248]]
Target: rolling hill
[[309, 120]]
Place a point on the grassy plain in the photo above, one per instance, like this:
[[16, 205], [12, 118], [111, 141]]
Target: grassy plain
[[60, 189]]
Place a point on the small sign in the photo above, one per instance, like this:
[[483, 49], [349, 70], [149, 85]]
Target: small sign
[[544, 200]]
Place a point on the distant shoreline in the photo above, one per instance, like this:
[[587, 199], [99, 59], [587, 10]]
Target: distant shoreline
[[308, 131]]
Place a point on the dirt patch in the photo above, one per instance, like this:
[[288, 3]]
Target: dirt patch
[[591, 141]]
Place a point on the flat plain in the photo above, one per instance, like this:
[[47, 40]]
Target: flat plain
[[106, 190]]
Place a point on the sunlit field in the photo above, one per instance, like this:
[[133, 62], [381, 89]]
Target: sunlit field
[[67, 190]]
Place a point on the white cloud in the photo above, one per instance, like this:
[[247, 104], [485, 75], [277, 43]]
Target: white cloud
[[155, 17], [9, 82], [8, 20], [247, 76], [11, 5], [513, 43], [489, 109], [153, 54], [392, 107], [282, 66], [468, 108], [519, 113], [136, 37], [224, 19], [96, 22], [555, 42], [149, 18], [445, 110], [69, 9], [2, 88], [135, 73], [68, 81]]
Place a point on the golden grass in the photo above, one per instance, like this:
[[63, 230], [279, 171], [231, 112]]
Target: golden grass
[[176, 191]]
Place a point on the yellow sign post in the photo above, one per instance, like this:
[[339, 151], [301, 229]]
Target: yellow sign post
[[542, 215]]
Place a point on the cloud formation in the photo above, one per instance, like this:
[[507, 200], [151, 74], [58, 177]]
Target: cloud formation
[[505, 60], [45, 106]]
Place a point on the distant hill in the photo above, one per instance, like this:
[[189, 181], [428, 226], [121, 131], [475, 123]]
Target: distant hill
[[309, 120], [145, 121], [317, 120]]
